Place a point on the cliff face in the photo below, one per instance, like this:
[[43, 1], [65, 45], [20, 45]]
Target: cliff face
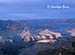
[[44, 35], [25, 34]]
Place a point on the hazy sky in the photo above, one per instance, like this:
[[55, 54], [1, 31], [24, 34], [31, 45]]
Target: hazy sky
[[35, 9]]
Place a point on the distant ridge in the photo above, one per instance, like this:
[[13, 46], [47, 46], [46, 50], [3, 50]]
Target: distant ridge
[[39, 19]]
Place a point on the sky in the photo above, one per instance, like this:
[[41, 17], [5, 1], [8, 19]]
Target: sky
[[36, 9]]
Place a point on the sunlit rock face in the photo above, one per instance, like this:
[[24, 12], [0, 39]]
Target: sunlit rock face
[[25, 35], [73, 34], [46, 32], [32, 37], [43, 41], [49, 33], [10, 40], [46, 41], [58, 35], [43, 37], [27, 39], [12, 26], [72, 31], [1, 39], [39, 37], [50, 36]]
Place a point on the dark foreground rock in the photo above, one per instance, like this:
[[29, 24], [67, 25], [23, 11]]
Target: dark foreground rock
[[34, 49], [57, 48], [57, 51]]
